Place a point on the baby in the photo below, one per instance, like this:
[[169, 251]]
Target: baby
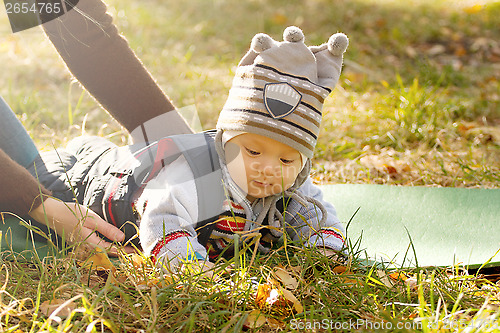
[[190, 194], [264, 139]]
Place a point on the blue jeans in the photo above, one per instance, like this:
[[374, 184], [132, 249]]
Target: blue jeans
[[14, 140]]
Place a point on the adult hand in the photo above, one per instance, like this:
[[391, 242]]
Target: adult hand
[[78, 223]]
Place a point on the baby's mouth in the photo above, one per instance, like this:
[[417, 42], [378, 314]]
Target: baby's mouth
[[261, 184]]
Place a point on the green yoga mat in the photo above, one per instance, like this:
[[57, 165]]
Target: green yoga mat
[[19, 240], [447, 226]]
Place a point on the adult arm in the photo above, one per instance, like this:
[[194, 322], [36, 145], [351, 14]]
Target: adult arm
[[103, 62], [20, 191], [77, 223], [23, 195]]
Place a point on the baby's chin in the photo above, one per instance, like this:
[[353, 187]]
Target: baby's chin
[[263, 193]]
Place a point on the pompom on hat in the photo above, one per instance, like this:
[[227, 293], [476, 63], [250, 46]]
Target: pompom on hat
[[279, 88]]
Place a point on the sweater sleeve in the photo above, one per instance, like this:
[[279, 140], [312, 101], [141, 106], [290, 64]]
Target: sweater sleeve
[[20, 191], [103, 62], [304, 223], [167, 228]]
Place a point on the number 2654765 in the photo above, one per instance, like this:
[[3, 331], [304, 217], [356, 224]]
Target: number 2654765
[[34, 8]]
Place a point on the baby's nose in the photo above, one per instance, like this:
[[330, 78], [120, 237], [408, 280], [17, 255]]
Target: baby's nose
[[271, 169]]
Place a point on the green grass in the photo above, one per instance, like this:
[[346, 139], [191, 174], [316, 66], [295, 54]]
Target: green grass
[[336, 296], [419, 95]]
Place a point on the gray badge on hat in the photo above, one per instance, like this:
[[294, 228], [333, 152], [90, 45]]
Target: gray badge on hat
[[281, 99]]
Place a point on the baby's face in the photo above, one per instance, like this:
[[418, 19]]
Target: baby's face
[[261, 166]]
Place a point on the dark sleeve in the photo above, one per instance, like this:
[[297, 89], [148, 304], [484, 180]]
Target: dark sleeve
[[103, 62], [20, 192]]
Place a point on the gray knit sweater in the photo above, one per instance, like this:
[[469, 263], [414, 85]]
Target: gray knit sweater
[[168, 209]]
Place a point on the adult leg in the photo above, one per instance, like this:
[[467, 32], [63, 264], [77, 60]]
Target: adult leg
[[14, 140]]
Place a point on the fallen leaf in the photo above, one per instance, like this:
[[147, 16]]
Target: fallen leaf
[[340, 269], [277, 300], [384, 278], [255, 319], [460, 51], [116, 279], [291, 297], [398, 276], [99, 260], [137, 260], [288, 281], [62, 306], [275, 324]]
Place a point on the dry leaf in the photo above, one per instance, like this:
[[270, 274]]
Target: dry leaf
[[255, 319], [116, 279], [385, 165], [277, 300], [275, 324], [340, 269], [49, 307], [384, 278], [99, 260], [137, 260], [398, 276], [291, 297], [288, 281]]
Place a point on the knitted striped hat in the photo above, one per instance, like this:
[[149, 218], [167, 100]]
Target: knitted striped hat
[[279, 88]]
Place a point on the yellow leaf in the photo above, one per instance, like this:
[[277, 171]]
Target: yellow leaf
[[137, 260], [398, 276], [60, 307], [277, 300], [99, 260]]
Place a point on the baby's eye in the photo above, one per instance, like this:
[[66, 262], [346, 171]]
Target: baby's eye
[[286, 161], [252, 152]]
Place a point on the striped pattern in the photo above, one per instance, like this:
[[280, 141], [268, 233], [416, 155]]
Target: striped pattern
[[276, 91], [245, 109], [332, 232], [230, 222], [167, 239]]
